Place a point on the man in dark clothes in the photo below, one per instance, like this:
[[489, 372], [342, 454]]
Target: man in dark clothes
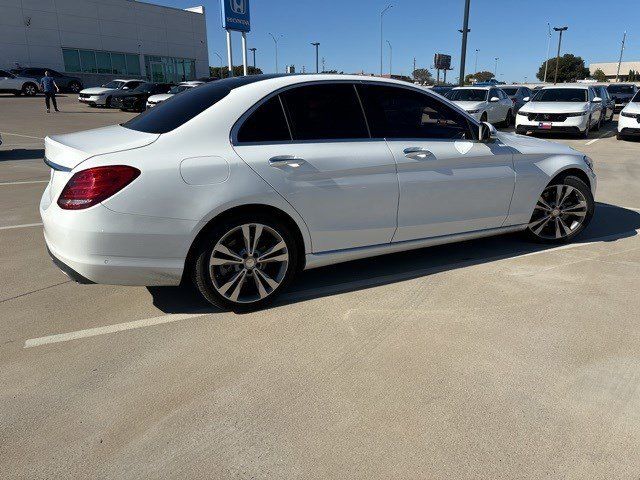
[[50, 88]]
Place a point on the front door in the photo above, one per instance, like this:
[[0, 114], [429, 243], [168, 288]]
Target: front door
[[449, 182], [312, 145]]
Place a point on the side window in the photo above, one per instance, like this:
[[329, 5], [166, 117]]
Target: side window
[[4, 74], [395, 112], [324, 112], [493, 93], [266, 124]]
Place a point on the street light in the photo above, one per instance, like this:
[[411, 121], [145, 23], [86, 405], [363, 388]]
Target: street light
[[218, 55], [390, 56], [316, 44], [476, 65], [381, 41], [496, 70], [253, 50], [465, 30], [558, 29], [546, 61], [275, 40]]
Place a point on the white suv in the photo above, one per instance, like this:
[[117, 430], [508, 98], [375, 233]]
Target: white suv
[[153, 100], [17, 85], [629, 121], [485, 104], [565, 109], [95, 96]]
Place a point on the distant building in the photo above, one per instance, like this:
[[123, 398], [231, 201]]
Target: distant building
[[610, 69], [98, 40]]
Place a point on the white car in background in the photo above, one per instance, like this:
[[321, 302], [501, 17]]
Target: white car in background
[[100, 96], [574, 109], [17, 85], [629, 120], [153, 100], [485, 104]]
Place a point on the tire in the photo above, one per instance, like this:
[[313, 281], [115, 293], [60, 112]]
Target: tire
[[107, 102], [619, 136], [75, 87], [552, 225], [585, 134], [509, 120], [248, 284], [29, 89]]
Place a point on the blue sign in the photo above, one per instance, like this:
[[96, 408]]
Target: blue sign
[[235, 15]]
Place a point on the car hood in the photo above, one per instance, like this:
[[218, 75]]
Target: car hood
[[632, 107], [97, 90], [554, 107], [160, 97], [468, 105], [526, 144]]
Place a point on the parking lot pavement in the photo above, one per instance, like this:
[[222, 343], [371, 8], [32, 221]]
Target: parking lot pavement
[[494, 358]]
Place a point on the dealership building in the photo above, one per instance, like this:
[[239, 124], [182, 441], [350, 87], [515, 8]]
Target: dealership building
[[610, 69], [98, 40]]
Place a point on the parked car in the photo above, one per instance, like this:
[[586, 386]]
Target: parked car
[[573, 109], [101, 96], [136, 99], [608, 104], [441, 89], [9, 83], [622, 93], [64, 82], [519, 95], [629, 120], [486, 104], [241, 183], [153, 100]]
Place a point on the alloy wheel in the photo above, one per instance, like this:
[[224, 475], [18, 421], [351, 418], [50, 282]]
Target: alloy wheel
[[249, 263], [560, 211], [30, 90]]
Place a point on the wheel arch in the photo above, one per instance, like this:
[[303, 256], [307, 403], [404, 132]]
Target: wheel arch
[[571, 172]]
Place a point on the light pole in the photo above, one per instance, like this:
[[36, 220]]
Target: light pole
[[316, 44], [496, 70], [624, 38], [546, 62], [390, 56], [381, 41], [253, 50], [476, 65], [218, 55], [465, 30], [275, 40], [558, 29]]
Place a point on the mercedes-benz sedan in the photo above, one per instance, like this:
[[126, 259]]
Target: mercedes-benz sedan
[[239, 184]]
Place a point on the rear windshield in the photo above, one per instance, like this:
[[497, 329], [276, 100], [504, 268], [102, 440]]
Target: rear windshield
[[620, 88], [561, 95], [467, 95], [169, 115], [511, 91], [636, 97]]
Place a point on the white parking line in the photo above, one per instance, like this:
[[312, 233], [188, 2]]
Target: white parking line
[[3, 184], [118, 327], [602, 135], [26, 225], [20, 135]]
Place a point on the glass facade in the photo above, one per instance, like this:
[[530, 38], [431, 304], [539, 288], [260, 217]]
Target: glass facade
[[95, 61], [169, 69]]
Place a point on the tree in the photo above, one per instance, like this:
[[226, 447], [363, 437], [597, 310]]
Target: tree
[[570, 69], [633, 76], [423, 76], [238, 71], [600, 76], [483, 76]]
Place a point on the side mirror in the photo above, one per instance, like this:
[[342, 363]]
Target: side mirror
[[526, 99], [486, 132], [494, 99], [125, 88], [597, 100]]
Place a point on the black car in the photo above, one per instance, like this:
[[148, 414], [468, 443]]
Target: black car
[[64, 82], [441, 89], [517, 94], [136, 99], [622, 93]]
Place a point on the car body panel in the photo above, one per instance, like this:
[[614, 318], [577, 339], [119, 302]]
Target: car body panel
[[495, 111], [630, 125]]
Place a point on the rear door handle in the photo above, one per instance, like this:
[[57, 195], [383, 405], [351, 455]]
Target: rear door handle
[[285, 160], [418, 153]]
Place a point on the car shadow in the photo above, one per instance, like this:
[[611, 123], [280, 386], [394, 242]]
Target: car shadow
[[610, 223], [21, 154]]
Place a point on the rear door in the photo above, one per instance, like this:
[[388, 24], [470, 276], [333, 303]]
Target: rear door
[[449, 182], [312, 145]]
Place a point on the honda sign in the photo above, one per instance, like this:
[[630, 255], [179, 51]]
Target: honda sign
[[235, 15]]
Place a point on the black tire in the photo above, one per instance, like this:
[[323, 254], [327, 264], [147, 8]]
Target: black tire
[[584, 189], [75, 87], [201, 272], [509, 120], [585, 134], [29, 89], [619, 136]]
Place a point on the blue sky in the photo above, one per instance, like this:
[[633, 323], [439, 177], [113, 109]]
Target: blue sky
[[349, 32]]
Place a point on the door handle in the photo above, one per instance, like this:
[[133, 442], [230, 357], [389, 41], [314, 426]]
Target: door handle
[[417, 153], [285, 161]]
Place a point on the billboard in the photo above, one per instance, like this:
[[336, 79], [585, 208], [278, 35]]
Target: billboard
[[442, 61], [235, 15]]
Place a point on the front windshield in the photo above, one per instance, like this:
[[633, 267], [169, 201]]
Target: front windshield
[[620, 88], [113, 84], [511, 91], [561, 95], [144, 88], [467, 95], [178, 89]]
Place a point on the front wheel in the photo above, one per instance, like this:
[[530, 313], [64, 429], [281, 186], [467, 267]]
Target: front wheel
[[562, 212], [75, 87], [30, 90], [509, 120], [587, 129], [244, 263]]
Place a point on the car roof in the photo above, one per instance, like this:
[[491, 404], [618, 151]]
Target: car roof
[[565, 86], [471, 87]]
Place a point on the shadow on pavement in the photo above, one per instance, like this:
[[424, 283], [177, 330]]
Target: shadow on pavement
[[610, 223], [21, 154]]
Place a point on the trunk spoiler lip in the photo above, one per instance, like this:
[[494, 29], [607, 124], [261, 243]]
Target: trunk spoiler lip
[[55, 166]]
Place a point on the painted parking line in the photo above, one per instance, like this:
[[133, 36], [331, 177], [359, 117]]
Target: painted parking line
[[20, 135], [26, 182], [118, 327], [601, 136], [26, 225]]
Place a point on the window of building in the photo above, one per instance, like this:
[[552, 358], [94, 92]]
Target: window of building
[[97, 61], [71, 60], [118, 63], [169, 69], [88, 61], [103, 62]]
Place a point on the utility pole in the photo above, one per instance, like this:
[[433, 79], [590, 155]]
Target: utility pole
[[253, 50], [323, 68], [276, 43], [316, 44], [414, 69], [465, 30], [381, 41], [219, 57], [624, 38], [390, 56], [496, 69], [476, 64], [558, 29], [546, 62]]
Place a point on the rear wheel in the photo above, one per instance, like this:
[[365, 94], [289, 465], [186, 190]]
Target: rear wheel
[[244, 263], [30, 89], [509, 120], [562, 212], [75, 87]]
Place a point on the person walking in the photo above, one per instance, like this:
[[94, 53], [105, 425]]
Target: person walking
[[49, 88]]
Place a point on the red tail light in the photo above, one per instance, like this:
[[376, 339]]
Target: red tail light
[[92, 186]]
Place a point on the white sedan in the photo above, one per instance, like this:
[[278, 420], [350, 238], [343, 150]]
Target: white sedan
[[153, 100], [486, 104], [574, 109], [629, 121], [243, 182], [100, 96]]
